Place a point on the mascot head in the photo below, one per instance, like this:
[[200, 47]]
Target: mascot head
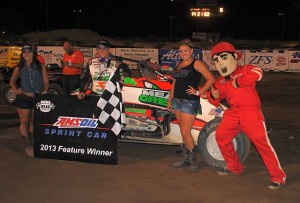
[[225, 58]]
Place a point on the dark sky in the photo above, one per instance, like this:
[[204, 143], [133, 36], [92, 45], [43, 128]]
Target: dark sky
[[243, 19]]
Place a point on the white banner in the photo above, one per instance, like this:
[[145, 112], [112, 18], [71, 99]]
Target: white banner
[[206, 58], [294, 61], [275, 60], [54, 54], [138, 54], [51, 54]]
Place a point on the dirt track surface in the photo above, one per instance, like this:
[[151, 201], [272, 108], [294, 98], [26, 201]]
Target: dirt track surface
[[143, 173]]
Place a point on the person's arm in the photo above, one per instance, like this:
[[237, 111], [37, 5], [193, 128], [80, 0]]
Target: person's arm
[[250, 75], [210, 79], [85, 77], [45, 79], [171, 96], [78, 64], [13, 81]]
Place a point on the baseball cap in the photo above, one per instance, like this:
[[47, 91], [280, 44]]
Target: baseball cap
[[225, 47], [27, 47], [103, 43]]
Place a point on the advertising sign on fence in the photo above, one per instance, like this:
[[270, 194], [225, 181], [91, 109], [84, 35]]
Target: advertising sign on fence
[[268, 60], [138, 54], [294, 61], [64, 128], [170, 57]]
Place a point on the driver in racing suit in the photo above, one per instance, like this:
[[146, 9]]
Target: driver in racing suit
[[237, 86], [99, 68]]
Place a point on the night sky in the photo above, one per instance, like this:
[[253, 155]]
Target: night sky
[[243, 19]]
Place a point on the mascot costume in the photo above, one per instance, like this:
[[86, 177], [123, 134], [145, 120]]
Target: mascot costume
[[237, 86]]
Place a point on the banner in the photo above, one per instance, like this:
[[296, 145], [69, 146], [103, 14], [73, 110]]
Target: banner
[[268, 60], [170, 57], [294, 61], [54, 54], [64, 129], [138, 54]]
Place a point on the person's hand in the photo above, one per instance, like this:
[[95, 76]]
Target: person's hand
[[44, 92], [81, 95], [215, 93], [19, 91], [192, 91], [169, 105], [233, 83]]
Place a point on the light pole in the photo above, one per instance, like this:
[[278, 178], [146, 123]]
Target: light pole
[[77, 14], [47, 16], [283, 23], [171, 25]]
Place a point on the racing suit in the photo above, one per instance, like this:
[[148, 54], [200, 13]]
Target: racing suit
[[244, 115], [97, 74]]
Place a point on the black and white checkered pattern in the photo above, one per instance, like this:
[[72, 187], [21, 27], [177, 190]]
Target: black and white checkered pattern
[[112, 111]]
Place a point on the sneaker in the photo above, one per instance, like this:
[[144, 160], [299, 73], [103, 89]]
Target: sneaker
[[224, 171], [275, 185]]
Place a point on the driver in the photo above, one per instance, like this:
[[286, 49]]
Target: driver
[[99, 68], [237, 86]]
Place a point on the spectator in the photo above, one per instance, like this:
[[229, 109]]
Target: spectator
[[39, 57], [72, 64]]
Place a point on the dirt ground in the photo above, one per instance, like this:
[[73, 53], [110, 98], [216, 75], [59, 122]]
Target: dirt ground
[[143, 173]]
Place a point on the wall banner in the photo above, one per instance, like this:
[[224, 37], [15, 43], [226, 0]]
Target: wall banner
[[170, 57], [64, 129], [294, 61], [137, 54], [268, 60]]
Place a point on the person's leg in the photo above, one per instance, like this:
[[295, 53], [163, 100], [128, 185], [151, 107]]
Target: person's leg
[[31, 128], [186, 123], [253, 124], [24, 115], [74, 83], [66, 84], [184, 162], [225, 133]]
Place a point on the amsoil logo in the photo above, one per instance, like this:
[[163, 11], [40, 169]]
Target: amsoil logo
[[45, 106], [158, 98], [75, 122]]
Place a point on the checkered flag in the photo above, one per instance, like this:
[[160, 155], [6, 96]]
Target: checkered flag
[[111, 106]]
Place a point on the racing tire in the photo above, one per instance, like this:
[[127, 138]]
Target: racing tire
[[55, 89], [8, 95], [209, 149]]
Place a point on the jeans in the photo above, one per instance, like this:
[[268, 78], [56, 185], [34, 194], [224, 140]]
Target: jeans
[[71, 83], [186, 106]]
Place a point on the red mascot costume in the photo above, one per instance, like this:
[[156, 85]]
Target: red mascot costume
[[237, 86]]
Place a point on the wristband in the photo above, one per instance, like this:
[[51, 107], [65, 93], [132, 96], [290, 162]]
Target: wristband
[[70, 63], [197, 93]]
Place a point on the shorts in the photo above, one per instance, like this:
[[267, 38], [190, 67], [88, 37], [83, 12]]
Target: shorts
[[23, 101], [186, 106]]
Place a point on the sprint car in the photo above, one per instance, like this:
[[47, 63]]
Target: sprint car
[[145, 99]]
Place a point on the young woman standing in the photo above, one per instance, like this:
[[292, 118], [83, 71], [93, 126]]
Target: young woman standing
[[34, 79], [185, 99]]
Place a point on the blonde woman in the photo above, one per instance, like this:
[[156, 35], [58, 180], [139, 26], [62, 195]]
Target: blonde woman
[[185, 100]]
